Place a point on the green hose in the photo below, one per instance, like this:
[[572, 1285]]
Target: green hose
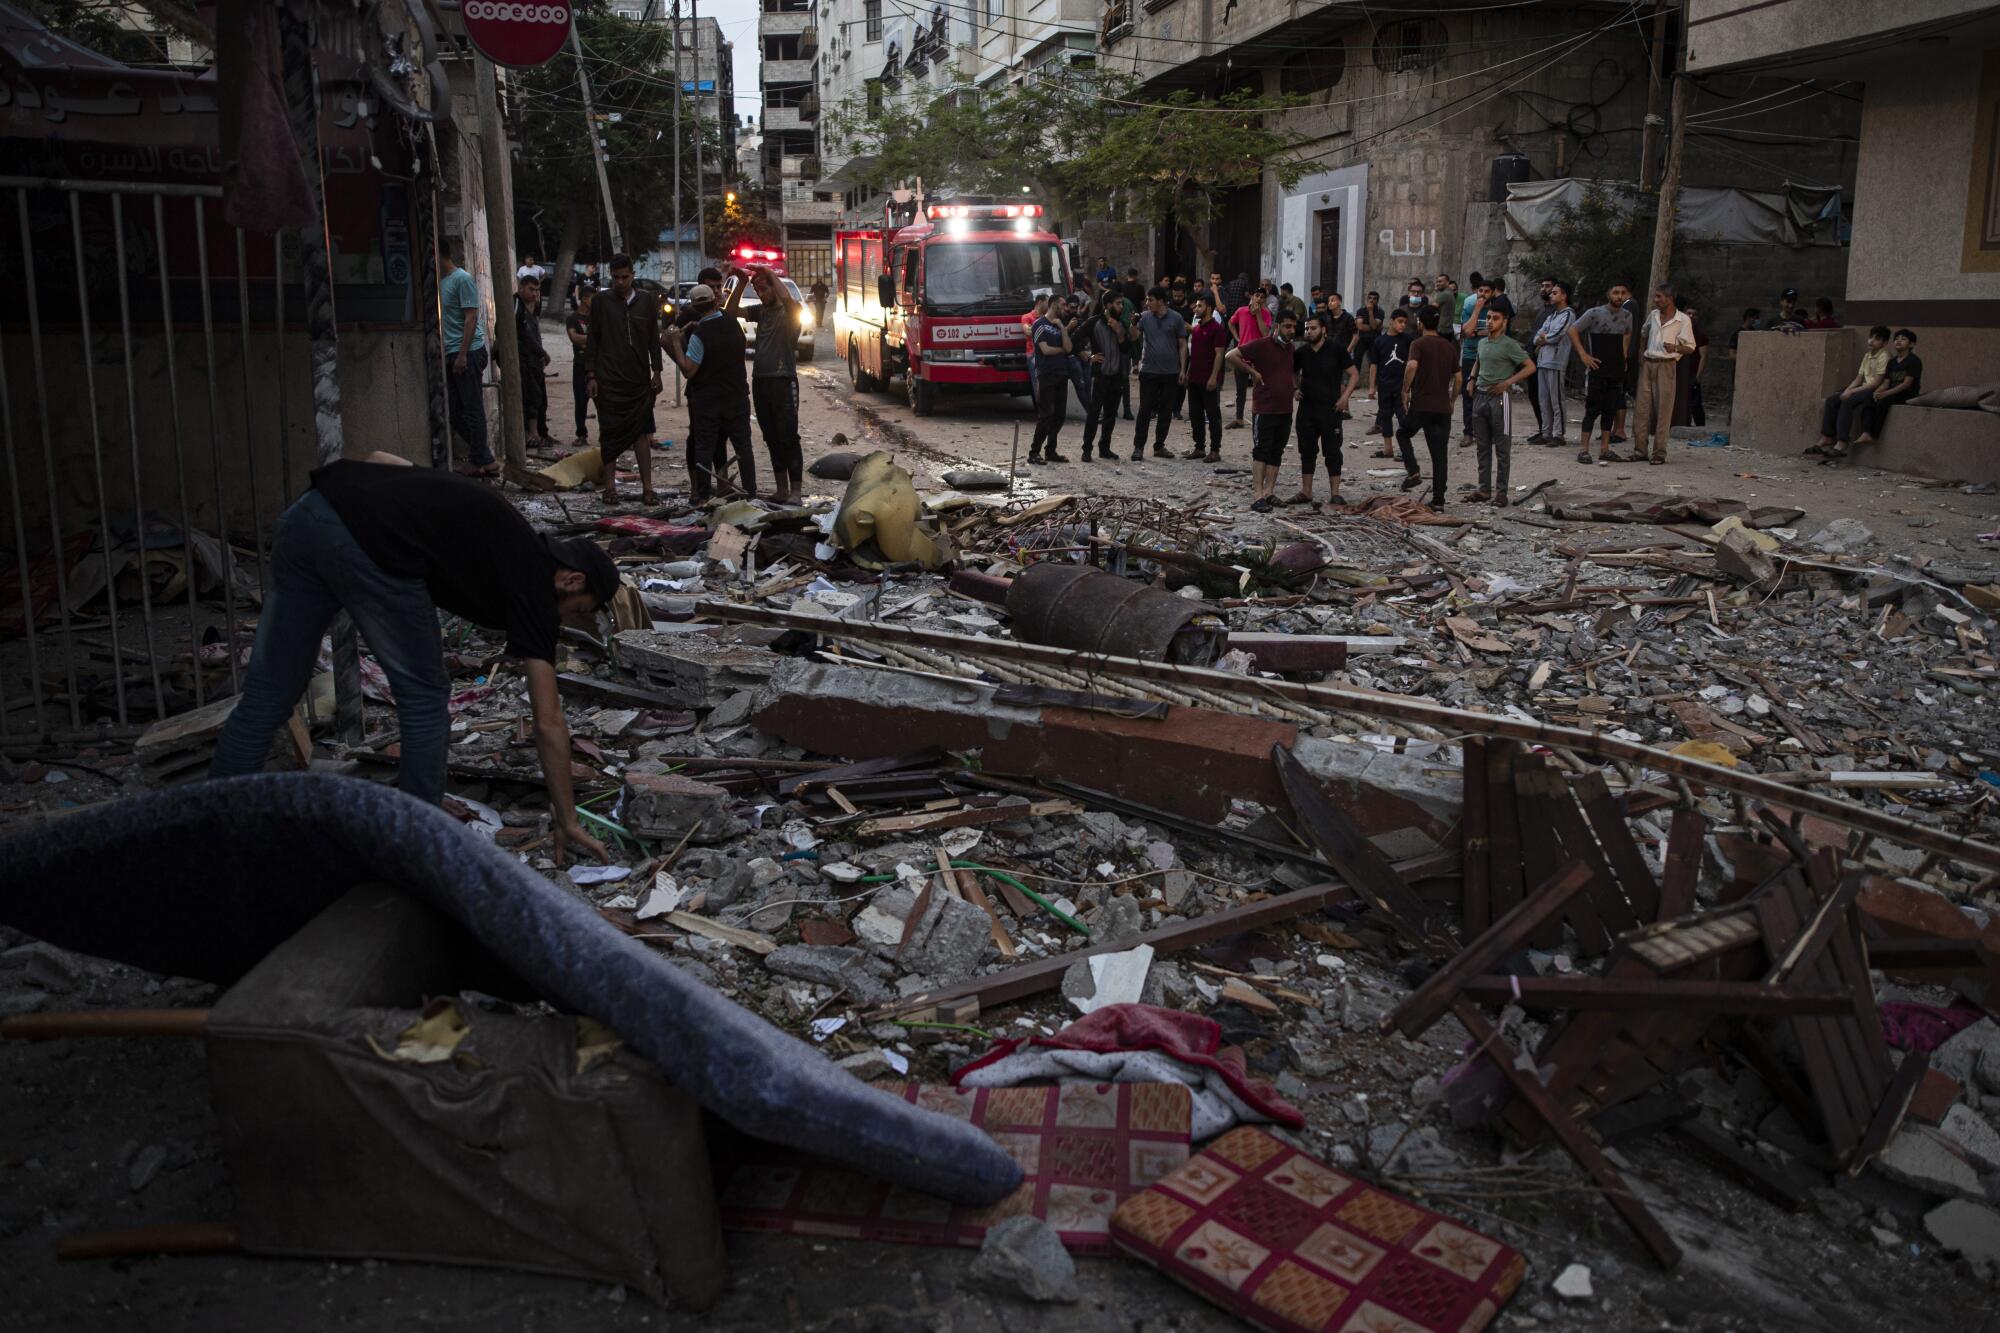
[[1004, 878]]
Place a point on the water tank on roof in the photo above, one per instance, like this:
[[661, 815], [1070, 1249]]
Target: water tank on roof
[[1507, 169]]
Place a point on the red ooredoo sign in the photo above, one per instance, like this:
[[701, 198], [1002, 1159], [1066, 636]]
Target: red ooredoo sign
[[517, 33]]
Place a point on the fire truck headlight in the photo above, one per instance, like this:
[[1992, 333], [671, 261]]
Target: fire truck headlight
[[957, 224], [1022, 224]]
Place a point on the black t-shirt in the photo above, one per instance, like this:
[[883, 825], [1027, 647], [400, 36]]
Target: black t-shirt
[[475, 551], [1392, 356], [1321, 371], [577, 324], [1911, 368], [1340, 328]]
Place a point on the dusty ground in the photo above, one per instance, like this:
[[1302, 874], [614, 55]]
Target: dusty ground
[[76, 1117]]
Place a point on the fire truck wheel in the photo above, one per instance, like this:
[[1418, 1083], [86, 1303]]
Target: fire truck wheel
[[860, 379], [923, 394]]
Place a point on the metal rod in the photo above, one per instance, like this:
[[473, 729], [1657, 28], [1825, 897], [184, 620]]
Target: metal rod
[[700, 185], [180, 452], [1450, 721], [282, 374], [215, 445], [21, 565], [1013, 460], [249, 419], [97, 435], [57, 549], [295, 48], [106, 187], [138, 483]]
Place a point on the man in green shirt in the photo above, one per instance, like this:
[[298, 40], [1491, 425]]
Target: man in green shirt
[[1503, 363]]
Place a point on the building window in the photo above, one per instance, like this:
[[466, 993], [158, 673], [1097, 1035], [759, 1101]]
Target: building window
[[1407, 45], [995, 10], [874, 103], [1313, 71], [871, 10]]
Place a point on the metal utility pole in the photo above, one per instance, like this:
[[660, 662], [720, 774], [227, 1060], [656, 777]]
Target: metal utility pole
[[674, 43], [596, 144], [1670, 185], [500, 260], [1656, 87], [700, 201]]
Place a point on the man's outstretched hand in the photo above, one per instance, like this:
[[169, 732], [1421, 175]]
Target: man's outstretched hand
[[573, 835]]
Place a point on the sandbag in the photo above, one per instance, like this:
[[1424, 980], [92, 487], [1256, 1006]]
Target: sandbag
[[877, 520]]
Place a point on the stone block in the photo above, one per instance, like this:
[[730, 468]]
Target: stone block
[[664, 807]]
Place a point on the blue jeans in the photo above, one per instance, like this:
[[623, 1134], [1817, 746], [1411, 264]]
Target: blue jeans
[[317, 571], [468, 404]]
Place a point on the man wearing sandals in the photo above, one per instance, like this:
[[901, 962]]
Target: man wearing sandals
[[624, 348], [1269, 366], [1838, 412], [1502, 364], [1603, 342], [1669, 337], [1325, 376]]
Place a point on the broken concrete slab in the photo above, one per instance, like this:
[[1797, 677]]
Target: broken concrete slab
[[1841, 536], [701, 670], [1974, 1136], [841, 967], [1963, 1227], [665, 807], [1193, 763], [1023, 1256], [1740, 557], [1922, 1159]]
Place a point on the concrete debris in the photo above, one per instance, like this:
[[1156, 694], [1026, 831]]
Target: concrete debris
[[1922, 1159], [1841, 536], [667, 807], [1023, 1256], [1573, 1284], [1963, 1227]]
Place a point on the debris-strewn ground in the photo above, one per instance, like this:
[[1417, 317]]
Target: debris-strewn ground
[[1860, 642]]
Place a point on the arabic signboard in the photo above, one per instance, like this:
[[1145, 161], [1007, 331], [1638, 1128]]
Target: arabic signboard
[[514, 33]]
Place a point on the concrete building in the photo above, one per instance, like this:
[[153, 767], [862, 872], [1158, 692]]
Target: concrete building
[[1926, 242], [789, 40], [1414, 124], [705, 62]]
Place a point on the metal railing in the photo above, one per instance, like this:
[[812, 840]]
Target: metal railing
[[141, 630]]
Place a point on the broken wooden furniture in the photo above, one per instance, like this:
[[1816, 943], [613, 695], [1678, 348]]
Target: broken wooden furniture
[[485, 1137]]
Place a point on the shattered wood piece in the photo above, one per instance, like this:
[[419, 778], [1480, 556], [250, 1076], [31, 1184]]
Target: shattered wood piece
[[867, 768], [1865, 778], [916, 914], [1432, 1000], [715, 930], [1247, 996], [1831, 916], [969, 888], [1476, 898], [1889, 1112], [1789, 1189], [1821, 1047], [302, 741], [1799, 731], [1504, 842], [632, 696], [1683, 863], [1615, 835], [1727, 997], [1559, 802], [947, 876], [1046, 973], [992, 814], [1357, 859], [835, 795], [1542, 856], [1579, 1144]]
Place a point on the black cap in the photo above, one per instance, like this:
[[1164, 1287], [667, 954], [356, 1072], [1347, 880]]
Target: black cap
[[1790, 293], [600, 572]]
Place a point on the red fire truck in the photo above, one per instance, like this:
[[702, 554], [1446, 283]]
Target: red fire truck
[[936, 295]]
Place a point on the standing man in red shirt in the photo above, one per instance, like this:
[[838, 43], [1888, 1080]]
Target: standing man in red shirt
[[1267, 362], [1207, 340]]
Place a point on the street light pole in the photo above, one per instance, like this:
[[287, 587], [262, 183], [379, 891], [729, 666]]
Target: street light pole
[[700, 201], [596, 144]]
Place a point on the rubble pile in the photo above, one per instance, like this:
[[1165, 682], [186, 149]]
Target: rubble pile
[[1488, 845]]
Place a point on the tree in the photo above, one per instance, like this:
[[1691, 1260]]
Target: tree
[[1605, 236], [631, 75], [1077, 134], [730, 224]]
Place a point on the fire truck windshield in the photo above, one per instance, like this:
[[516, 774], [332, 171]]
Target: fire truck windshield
[[1000, 276]]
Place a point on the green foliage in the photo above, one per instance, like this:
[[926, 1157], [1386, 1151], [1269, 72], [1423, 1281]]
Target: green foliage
[[1079, 134], [97, 25], [1605, 237], [631, 76]]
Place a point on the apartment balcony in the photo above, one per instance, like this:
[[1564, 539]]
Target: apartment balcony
[[803, 166], [786, 71], [783, 25], [810, 210], [777, 118], [809, 106], [808, 40]]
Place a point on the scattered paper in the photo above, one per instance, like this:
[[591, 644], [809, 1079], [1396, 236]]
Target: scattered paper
[[431, 1039], [585, 875], [664, 897]]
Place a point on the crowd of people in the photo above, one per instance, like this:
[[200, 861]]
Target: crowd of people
[[1297, 362]]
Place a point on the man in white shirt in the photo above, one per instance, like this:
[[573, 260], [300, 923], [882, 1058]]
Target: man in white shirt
[[530, 269], [1668, 337]]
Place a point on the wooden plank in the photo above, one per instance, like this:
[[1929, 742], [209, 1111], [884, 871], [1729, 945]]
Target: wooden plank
[[1778, 916], [1579, 1144], [1348, 850], [1504, 843], [1861, 1080], [1579, 843], [866, 768], [1790, 1190], [917, 910], [715, 930], [1540, 857], [1478, 902], [1828, 918], [946, 819], [1889, 1111], [1697, 996], [1548, 794], [1614, 835], [1432, 1000], [1684, 841]]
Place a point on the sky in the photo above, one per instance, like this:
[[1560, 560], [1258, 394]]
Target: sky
[[739, 25]]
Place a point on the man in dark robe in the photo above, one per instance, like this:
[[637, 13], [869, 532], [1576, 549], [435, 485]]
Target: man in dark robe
[[625, 376]]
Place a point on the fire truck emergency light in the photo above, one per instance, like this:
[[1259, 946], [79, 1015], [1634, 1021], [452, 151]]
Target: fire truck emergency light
[[985, 210]]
